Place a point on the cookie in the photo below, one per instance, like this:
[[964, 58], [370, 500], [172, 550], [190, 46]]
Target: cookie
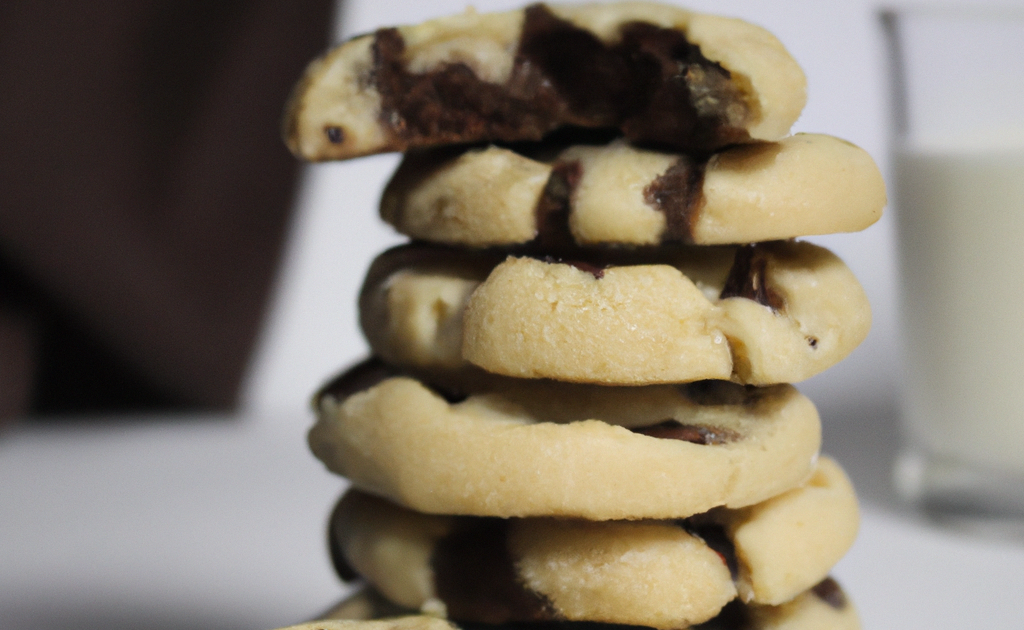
[[661, 574], [766, 313], [658, 73], [790, 542], [496, 570], [823, 607], [557, 449], [616, 194]]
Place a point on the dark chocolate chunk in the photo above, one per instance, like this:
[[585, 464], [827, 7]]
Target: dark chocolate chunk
[[593, 81], [451, 104], [678, 193], [682, 97], [716, 393], [338, 560], [675, 430], [359, 377], [595, 270], [716, 539], [829, 592], [748, 278], [335, 135], [554, 205], [653, 84], [562, 138], [475, 577], [451, 394]]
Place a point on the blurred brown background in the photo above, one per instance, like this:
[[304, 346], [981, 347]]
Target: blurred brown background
[[144, 195]]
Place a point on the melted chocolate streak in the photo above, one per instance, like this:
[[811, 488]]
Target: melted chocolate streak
[[475, 576], [338, 559], [695, 434], [594, 270], [748, 278], [714, 392], [561, 75], [555, 205], [677, 193], [717, 540], [829, 592]]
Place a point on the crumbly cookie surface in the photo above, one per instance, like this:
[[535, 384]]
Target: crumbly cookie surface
[[658, 73], [616, 194], [557, 449], [661, 574], [768, 313]]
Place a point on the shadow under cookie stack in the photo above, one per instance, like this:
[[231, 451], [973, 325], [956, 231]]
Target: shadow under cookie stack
[[578, 407]]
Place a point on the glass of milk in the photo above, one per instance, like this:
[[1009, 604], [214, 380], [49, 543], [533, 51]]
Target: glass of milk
[[958, 160]]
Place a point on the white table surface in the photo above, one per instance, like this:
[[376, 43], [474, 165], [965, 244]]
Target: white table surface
[[219, 522]]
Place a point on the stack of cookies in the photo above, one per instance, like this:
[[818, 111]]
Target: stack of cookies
[[578, 406]]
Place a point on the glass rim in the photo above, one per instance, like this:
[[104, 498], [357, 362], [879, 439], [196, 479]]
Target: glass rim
[[946, 9]]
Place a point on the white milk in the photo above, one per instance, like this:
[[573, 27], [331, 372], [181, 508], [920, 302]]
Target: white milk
[[961, 222]]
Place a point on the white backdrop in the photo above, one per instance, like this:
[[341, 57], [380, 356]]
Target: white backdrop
[[312, 329]]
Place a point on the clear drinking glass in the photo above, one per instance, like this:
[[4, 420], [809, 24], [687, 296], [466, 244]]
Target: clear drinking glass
[[958, 158]]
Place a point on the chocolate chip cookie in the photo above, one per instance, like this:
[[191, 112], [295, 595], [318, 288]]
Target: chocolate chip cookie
[[556, 449], [656, 73], [618, 194], [661, 574], [760, 314]]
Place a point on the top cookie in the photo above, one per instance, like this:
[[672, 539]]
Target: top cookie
[[658, 73]]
